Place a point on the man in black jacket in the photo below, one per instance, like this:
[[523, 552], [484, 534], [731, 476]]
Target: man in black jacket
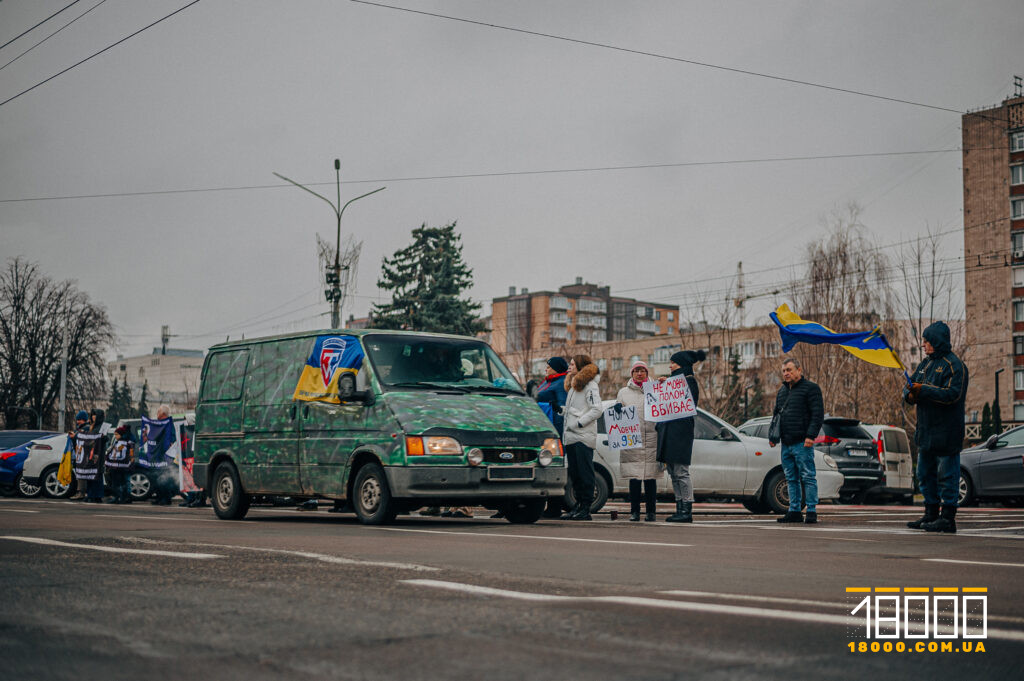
[[801, 412], [939, 387]]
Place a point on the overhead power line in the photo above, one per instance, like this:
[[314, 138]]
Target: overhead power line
[[96, 54], [655, 55], [37, 25], [510, 173], [52, 34]]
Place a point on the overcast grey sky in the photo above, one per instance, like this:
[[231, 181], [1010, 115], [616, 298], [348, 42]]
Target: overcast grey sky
[[225, 93]]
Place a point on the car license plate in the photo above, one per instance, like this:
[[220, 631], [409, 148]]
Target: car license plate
[[856, 452], [510, 472]]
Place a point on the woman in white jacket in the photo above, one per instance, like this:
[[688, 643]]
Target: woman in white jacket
[[581, 411], [641, 463]]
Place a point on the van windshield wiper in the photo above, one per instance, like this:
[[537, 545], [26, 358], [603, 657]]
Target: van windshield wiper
[[429, 384], [494, 389]]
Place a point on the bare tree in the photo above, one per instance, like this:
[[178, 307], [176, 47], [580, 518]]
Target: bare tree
[[349, 260], [34, 312]]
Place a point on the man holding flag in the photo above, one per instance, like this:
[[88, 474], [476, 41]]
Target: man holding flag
[[938, 388]]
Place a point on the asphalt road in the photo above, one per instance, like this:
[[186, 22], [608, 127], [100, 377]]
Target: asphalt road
[[130, 592]]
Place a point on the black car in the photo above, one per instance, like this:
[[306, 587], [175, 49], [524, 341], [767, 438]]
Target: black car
[[852, 447]]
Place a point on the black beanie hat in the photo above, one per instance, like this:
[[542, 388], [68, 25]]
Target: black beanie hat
[[558, 364], [687, 358]]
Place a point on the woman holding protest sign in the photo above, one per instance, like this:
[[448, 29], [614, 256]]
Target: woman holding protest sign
[[640, 463], [580, 413], [675, 439]]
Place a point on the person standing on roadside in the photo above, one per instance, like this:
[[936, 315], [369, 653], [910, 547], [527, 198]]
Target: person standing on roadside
[[90, 445], [801, 413], [581, 411], [119, 462], [81, 426], [550, 395], [675, 439], [640, 464], [157, 442], [938, 388]]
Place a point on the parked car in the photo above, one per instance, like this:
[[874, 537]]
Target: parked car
[[994, 470], [41, 466], [852, 448], [726, 463], [14, 445], [893, 447]]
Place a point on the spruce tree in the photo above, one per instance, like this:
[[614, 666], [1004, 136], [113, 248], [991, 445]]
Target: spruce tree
[[114, 408], [143, 406], [427, 279], [986, 422]]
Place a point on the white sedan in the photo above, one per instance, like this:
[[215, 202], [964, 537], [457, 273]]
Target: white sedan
[[725, 464]]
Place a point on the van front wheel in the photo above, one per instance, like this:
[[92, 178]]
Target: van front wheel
[[229, 501], [372, 496]]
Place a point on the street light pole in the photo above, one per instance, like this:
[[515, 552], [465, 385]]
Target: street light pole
[[333, 294]]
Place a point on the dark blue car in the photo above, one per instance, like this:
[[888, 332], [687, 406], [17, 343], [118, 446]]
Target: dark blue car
[[13, 452]]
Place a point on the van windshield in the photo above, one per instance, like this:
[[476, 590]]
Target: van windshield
[[425, 363]]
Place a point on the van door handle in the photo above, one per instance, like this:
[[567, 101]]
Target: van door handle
[[292, 410], [305, 412]]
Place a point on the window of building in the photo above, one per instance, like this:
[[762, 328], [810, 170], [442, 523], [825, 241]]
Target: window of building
[[657, 315], [1017, 209], [1017, 141], [1018, 310], [1017, 241], [1018, 412], [1018, 379], [602, 364], [1018, 345], [634, 359], [617, 364], [1018, 276], [1017, 174], [671, 316]]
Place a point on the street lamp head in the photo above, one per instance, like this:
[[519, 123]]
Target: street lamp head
[[337, 164]]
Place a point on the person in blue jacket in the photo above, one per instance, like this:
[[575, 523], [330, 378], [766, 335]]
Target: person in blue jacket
[[551, 398]]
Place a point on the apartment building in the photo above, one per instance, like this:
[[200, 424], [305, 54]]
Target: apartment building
[[172, 375], [993, 178], [578, 313]]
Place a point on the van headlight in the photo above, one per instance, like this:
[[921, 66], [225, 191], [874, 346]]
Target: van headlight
[[475, 456], [442, 446], [829, 461], [551, 448]]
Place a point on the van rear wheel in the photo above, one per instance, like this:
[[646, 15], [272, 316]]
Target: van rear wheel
[[371, 496], [525, 511], [230, 502]]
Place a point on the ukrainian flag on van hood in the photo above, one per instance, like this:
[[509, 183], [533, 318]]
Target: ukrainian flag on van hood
[[332, 357], [870, 346]]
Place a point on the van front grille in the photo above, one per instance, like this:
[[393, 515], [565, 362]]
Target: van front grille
[[509, 455]]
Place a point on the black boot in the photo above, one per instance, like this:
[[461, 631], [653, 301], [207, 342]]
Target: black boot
[[680, 515], [651, 500], [931, 514], [946, 521], [568, 515], [791, 517], [634, 501]]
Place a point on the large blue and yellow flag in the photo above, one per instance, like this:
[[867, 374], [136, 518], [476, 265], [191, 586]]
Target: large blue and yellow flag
[[870, 346], [332, 357]]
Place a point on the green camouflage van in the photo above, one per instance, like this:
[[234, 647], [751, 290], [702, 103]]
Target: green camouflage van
[[384, 422]]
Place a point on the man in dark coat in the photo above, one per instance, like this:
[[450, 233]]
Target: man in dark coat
[[551, 398], [938, 388], [801, 413], [675, 439]]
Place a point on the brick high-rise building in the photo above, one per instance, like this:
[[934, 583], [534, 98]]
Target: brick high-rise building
[[993, 171]]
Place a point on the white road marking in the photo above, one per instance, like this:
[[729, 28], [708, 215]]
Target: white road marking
[[17, 510], [533, 536], [972, 562], [325, 558], [157, 517], [111, 549], [689, 606]]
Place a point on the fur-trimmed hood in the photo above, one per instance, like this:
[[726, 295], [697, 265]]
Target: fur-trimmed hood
[[582, 377]]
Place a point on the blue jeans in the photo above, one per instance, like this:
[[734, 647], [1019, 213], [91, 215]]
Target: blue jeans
[[939, 478], [798, 465]]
